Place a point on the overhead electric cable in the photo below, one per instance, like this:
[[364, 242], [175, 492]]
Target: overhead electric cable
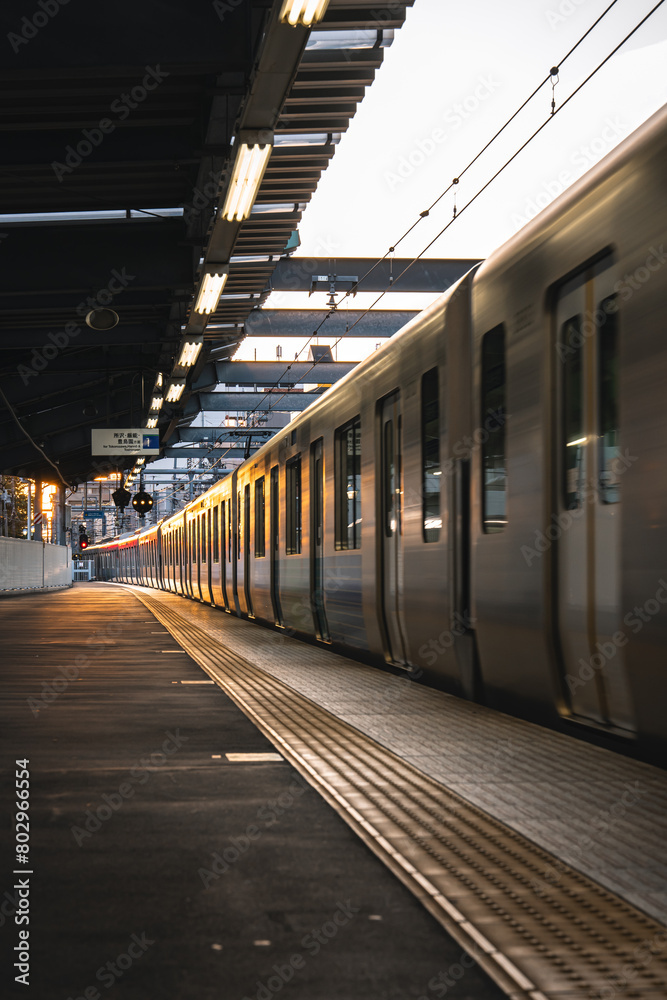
[[32, 441], [424, 214], [490, 181], [473, 199]]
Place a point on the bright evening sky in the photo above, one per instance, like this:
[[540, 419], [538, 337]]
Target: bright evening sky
[[454, 74]]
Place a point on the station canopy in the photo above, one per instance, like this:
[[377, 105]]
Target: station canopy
[[123, 130]]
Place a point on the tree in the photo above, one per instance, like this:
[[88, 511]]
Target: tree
[[14, 513]]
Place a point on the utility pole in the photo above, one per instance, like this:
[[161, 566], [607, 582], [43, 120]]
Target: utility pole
[[38, 510], [29, 512]]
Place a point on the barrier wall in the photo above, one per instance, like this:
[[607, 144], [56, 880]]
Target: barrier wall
[[28, 565]]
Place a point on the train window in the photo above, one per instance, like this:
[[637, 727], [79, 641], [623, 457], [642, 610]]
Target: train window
[[431, 471], [260, 527], [389, 486], [608, 429], [494, 459], [238, 524], [571, 341], [293, 506], [347, 477], [216, 534], [246, 536]]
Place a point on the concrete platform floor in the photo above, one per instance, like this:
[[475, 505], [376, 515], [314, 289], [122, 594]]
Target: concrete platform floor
[[160, 869]]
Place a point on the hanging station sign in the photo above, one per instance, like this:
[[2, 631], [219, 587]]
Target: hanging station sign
[[135, 441]]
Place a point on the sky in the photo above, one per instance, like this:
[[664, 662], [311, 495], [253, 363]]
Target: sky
[[453, 76]]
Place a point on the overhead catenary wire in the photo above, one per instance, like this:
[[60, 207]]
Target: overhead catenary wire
[[32, 440], [424, 214], [500, 170], [455, 181]]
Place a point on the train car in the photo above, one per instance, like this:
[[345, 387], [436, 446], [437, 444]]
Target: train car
[[567, 321], [482, 501]]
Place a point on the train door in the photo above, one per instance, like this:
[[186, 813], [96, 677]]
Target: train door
[[196, 567], [317, 539], [391, 527], [246, 549], [588, 490], [274, 547], [224, 561], [207, 556], [191, 556], [178, 569]]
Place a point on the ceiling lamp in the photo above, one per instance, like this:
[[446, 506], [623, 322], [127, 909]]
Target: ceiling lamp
[[102, 319], [175, 391], [190, 349], [305, 12], [151, 422], [253, 149], [156, 402], [209, 291]]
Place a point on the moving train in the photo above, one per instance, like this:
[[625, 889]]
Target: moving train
[[483, 502]]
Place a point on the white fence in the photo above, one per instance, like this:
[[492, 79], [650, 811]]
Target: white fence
[[83, 570], [31, 565]]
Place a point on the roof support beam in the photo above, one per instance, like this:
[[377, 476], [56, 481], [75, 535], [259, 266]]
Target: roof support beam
[[266, 373], [221, 434], [377, 323], [296, 274], [243, 402]]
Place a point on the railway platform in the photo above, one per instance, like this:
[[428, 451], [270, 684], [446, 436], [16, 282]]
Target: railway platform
[[183, 765]]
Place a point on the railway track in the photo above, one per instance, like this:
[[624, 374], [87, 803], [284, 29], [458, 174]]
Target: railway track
[[482, 881]]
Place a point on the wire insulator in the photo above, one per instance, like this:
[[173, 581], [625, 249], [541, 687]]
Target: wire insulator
[[553, 73]]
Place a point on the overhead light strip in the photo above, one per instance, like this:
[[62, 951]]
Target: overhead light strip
[[190, 348], [252, 157], [304, 12], [210, 289], [175, 390]]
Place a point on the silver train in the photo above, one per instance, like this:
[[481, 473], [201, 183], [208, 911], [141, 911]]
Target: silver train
[[483, 501]]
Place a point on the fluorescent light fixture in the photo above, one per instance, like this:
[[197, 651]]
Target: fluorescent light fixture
[[158, 380], [190, 348], [152, 422], [209, 291], [355, 38], [140, 461], [305, 12], [307, 139], [156, 402], [253, 150], [280, 208], [175, 390]]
